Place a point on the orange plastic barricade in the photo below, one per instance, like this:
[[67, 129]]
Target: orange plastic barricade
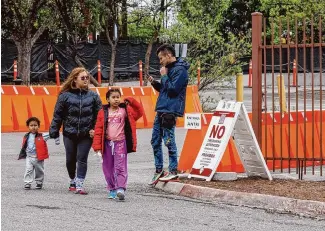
[[101, 91], [148, 107], [24, 90], [230, 161], [48, 105], [47, 96], [20, 112], [35, 108], [267, 138], [9, 90], [6, 114], [319, 127], [154, 95], [192, 144], [45, 90], [193, 141]]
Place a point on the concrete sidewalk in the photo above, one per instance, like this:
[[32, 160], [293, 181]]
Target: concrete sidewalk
[[305, 208]]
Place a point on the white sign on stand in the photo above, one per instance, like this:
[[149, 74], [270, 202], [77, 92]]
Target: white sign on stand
[[229, 119], [192, 121]]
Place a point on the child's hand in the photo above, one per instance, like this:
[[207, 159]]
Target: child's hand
[[92, 133], [99, 153], [57, 141]]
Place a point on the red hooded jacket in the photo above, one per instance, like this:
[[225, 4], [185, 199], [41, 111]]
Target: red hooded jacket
[[134, 111]]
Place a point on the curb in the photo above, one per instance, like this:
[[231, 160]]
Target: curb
[[305, 208]]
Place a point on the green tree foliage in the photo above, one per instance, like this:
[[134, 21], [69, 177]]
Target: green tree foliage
[[146, 23], [280, 13], [220, 56], [293, 8]]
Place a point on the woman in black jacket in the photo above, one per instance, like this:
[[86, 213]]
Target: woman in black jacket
[[76, 108]]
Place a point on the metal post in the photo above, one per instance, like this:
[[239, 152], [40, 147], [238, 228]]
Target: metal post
[[257, 75], [99, 72], [140, 73], [239, 88], [57, 73]]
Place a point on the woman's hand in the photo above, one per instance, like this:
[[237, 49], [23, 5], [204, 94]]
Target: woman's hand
[[92, 133]]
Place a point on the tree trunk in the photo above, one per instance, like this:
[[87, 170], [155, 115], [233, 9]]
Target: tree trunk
[[147, 58], [124, 20], [112, 65], [24, 56]]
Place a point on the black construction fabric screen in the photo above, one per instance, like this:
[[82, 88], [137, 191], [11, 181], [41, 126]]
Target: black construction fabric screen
[[45, 53], [39, 62], [300, 61], [69, 56], [8, 55]]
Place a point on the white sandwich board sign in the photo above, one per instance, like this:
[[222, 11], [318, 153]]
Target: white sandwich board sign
[[229, 120]]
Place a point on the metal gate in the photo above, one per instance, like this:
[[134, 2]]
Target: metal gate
[[291, 129]]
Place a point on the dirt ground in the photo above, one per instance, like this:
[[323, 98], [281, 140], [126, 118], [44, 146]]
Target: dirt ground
[[304, 190]]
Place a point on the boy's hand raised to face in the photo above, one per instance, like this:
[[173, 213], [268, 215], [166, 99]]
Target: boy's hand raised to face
[[163, 71]]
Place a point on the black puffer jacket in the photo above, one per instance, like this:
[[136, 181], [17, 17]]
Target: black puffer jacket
[[77, 110]]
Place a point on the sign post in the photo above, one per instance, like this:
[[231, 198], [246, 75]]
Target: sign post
[[230, 120]]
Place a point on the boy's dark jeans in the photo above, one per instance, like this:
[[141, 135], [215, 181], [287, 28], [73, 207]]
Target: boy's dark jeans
[[160, 133], [77, 151]]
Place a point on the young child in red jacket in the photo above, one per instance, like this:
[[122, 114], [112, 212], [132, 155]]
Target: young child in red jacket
[[34, 149], [114, 137]]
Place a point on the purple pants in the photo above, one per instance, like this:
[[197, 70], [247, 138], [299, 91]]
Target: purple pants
[[115, 164]]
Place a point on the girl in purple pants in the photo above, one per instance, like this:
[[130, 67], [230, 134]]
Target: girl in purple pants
[[115, 137]]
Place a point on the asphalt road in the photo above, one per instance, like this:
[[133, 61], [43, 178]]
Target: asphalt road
[[145, 208]]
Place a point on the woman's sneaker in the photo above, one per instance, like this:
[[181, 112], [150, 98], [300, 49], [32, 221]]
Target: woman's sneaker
[[39, 186], [156, 177], [27, 187], [81, 191], [112, 194], [121, 194], [72, 187]]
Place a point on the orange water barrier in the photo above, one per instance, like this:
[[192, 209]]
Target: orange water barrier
[[271, 142], [20, 102]]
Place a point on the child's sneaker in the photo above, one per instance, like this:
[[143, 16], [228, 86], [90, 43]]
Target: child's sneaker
[[39, 186], [120, 194], [81, 191], [156, 177], [72, 187], [112, 194], [27, 187], [169, 176]]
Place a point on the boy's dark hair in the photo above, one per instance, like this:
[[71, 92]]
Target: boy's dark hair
[[33, 119], [110, 91], [166, 48]]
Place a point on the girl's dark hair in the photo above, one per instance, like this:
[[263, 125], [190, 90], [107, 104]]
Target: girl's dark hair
[[110, 91], [33, 119]]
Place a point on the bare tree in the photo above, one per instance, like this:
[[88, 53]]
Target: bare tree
[[75, 16], [24, 22], [152, 13]]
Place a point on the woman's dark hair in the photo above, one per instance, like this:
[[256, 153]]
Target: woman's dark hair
[[33, 119], [166, 48], [110, 91]]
